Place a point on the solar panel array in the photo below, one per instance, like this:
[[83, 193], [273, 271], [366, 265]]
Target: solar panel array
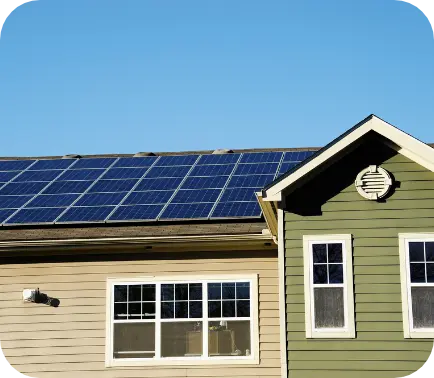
[[153, 188]]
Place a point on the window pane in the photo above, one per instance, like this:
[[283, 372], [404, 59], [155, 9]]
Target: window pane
[[243, 290], [120, 311], [134, 340], [228, 309], [320, 274], [422, 299], [167, 310], [229, 338], [148, 310], [134, 293], [429, 250], [416, 251], [336, 274], [180, 339], [430, 272], [195, 291], [214, 309], [243, 309], [214, 291], [319, 253], [417, 272], [181, 309], [329, 307], [181, 292], [196, 309], [148, 293], [228, 290], [134, 310], [167, 292], [335, 252], [120, 293]]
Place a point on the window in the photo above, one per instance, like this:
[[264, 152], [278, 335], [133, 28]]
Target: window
[[417, 284], [187, 321], [328, 285]]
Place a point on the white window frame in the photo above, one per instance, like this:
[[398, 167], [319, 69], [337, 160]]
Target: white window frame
[[406, 285], [202, 360], [347, 332]]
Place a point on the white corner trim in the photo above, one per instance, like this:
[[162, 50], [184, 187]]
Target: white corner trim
[[410, 147], [349, 331], [404, 262], [282, 297]]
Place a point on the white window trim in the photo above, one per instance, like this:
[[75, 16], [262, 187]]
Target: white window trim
[[349, 331], [407, 314], [253, 359]]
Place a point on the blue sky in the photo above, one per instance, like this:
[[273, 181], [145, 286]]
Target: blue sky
[[104, 76]]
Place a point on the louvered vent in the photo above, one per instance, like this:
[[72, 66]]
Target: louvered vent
[[373, 182]]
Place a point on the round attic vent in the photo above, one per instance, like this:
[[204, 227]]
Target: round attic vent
[[373, 182]]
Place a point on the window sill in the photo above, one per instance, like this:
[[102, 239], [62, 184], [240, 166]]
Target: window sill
[[420, 335], [331, 335], [183, 362]]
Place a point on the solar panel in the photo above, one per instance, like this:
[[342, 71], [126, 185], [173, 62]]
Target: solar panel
[[60, 187], [15, 165], [101, 199], [5, 214], [177, 171], [239, 195], [125, 173], [137, 212], [187, 211], [166, 161], [13, 202], [112, 186], [39, 215], [262, 157], [138, 188], [205, 182], [53, 200], [219, 159], [256, 169], [212, 170], [148, 198], [85, 214], [131, 162], [37, 176], [52, 164], [8, 176], [23, 188], [253, 181], [193, 196], [94, 163], [81, 174], [236, 209]]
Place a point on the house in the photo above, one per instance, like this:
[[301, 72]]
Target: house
[[356, 255], [221, 264]]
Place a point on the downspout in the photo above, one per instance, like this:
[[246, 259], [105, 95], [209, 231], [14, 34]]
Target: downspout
[[282, 299]]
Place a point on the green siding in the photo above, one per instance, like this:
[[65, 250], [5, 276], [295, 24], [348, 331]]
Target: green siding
[[379, 349]]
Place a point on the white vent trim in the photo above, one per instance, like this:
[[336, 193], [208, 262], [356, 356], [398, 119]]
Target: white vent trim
[[373, 182]]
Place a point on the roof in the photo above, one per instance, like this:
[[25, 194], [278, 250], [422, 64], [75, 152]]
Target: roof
[[404, 143]]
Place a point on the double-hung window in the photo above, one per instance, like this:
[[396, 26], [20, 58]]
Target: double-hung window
[[328, 284], [187, 321], [417, 284]]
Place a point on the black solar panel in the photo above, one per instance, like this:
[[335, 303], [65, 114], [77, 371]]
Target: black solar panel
[[151, 188]]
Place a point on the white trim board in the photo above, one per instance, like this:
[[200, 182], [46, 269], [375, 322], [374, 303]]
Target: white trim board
[[409, 146]]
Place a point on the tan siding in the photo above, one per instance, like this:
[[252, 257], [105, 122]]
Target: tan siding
[[69, 340], [379, 349]]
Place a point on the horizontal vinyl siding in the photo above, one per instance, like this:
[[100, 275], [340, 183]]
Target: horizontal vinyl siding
[[69, 341], [379, 349]]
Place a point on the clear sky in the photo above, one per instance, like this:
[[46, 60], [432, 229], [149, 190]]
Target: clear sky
[[105, 76]]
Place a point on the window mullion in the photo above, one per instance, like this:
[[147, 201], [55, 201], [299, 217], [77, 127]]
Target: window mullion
[[158, 320], [205, 319]]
